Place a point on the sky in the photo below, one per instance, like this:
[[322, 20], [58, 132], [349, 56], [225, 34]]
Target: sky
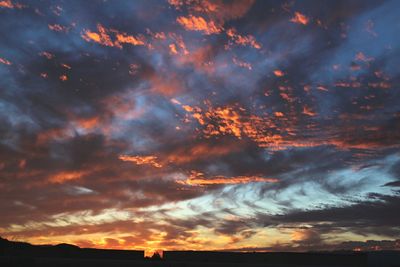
[[202, 125]]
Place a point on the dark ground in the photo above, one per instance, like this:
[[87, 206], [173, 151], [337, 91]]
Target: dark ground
[[18, 254]]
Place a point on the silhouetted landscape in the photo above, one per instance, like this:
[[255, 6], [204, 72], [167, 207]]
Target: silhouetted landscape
[[24, 254]]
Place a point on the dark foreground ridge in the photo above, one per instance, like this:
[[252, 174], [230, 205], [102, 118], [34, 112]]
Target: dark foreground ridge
[[24, 254], [272, 258]]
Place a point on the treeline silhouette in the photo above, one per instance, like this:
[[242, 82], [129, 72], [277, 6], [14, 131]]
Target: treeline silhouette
[[24, 254]]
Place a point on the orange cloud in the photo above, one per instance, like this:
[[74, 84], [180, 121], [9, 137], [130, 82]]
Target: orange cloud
[[193, 23], [241, 39], [123, 38], [178, 45], [172, 49], [264, 131], [278, 73], [308, 111], [9, 4], [159, 35], [300, 19], [201, 151], [88, 123], [141, 160], [230, 122], [5, 61], [66, 176], [101, 37], [198, 179], [58, 28], [218, 9]]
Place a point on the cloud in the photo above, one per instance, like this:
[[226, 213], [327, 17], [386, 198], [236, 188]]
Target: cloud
[[10, 4], [141, 160], [363, 218], [197, 178], [193, 23], [103, 37], [200, 124], [300, 18]]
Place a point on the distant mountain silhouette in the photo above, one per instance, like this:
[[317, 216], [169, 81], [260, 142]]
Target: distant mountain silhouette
[[20, 251], [6, 244], [66, 246]]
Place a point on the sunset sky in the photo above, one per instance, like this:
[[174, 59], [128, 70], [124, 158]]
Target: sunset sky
[[203, 125]]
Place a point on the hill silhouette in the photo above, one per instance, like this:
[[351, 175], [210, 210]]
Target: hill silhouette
[[14, 253]]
